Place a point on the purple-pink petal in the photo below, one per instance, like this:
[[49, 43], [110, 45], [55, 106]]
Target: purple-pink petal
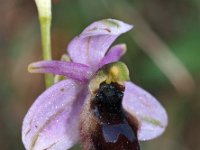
[[113, 55], [150, 114], [52, 122], [72, 70], [90, 47]]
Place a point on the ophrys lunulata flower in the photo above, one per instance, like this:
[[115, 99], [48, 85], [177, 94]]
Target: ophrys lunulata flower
[[53, 121]]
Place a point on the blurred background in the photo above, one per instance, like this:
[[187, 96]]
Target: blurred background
[[163, 57]]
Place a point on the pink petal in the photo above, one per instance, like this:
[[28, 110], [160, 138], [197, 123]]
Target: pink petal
[[114, 54], [148, 111], [72, 70], [52, 122], [90, 47]]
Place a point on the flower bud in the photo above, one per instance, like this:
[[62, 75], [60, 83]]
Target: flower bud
[[44, 8]]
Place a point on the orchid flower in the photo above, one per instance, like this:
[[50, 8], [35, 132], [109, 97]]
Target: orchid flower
[[53, 121]]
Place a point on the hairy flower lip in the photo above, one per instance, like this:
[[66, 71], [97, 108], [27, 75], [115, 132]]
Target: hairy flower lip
[[88, 53]]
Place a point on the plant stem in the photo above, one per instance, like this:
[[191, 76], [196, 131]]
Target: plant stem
[[45, 15], [45, 26]]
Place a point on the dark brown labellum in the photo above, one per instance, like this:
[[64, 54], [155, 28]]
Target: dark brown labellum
[[111, 128]]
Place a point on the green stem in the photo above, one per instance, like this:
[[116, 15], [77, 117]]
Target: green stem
[[45, 26]]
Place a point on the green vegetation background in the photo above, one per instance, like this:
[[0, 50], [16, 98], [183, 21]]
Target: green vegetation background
[[176, 22]]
